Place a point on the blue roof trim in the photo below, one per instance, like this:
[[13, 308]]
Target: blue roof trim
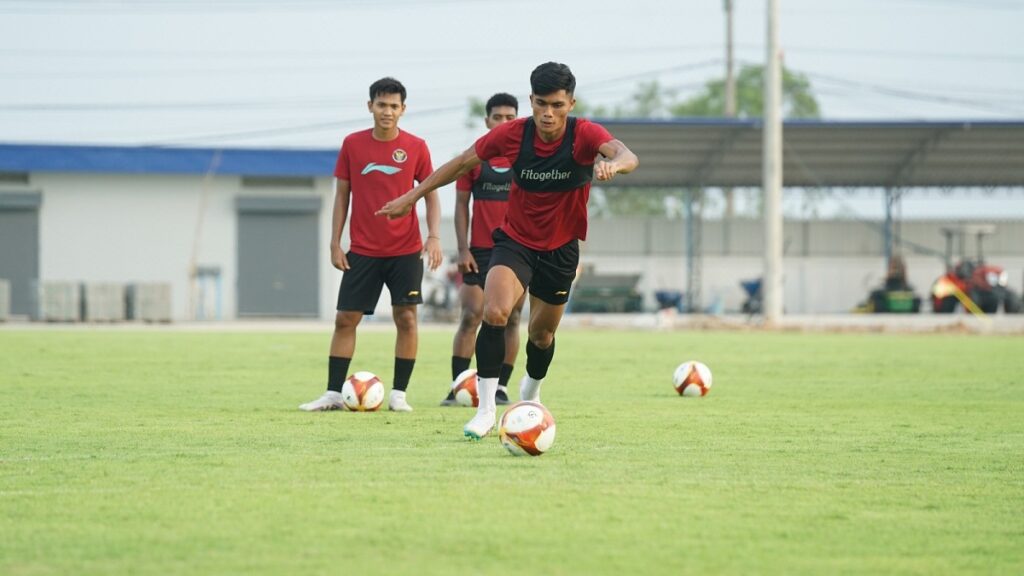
[[161, 160]]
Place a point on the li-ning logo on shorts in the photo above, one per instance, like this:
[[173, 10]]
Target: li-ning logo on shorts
[[374, 167], [399, 156]]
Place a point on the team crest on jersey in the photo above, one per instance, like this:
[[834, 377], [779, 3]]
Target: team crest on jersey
[[399, 155]]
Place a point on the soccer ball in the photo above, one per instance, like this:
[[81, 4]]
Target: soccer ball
[[362, 392], [692, 379], [464, 388], [527, 428]]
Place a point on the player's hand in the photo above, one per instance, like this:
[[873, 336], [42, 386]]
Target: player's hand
[[605, 170], [398, 207], [433, 251], [467, 263], [338, 258]]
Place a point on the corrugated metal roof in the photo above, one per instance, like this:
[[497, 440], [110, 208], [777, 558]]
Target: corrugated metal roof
[[722, 152], [160, 160], [683, 152]]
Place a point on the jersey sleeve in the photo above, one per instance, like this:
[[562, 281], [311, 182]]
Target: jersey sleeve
[[424, 166], [590, 137], [341, 165], [491, 145]]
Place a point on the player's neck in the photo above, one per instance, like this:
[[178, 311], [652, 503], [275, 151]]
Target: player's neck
[[549, 138], [385, 134]]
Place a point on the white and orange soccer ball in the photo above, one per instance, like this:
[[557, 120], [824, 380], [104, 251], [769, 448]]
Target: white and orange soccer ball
[[464, 388], [362, 392], [527, 429], [692, 379]]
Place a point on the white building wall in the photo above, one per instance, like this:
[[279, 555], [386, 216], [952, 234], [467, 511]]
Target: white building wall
[[143, 228]]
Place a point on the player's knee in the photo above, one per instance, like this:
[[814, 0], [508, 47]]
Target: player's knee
[[542, 338], [470, 320], [405, 319], [345, 322], [495, 315]]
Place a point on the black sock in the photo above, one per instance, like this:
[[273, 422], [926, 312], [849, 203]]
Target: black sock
[[337, 372], [459, 365], [490, 350], [538, 360], [506, 374], [403, 371]]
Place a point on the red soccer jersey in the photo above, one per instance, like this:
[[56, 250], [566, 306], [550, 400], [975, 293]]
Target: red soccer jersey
[[490, 200], [379, 172], [544, 220]]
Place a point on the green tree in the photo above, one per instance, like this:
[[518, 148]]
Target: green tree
[[797, 97], [650, 100]]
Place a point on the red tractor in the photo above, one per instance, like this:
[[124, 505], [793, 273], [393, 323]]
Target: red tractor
[[985, 284]]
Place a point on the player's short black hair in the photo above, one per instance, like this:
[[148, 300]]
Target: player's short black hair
[[387, 85], [502, 99], [551, 77]]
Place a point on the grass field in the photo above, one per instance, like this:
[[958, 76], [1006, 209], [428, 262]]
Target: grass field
[[183, 453]]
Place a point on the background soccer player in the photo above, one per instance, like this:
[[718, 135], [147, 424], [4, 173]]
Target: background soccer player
[[488, 185], [375, 166], [553, 158]]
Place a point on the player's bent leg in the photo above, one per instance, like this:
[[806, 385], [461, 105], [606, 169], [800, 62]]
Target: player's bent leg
[[540, 349], [501, 292], [511, 351]]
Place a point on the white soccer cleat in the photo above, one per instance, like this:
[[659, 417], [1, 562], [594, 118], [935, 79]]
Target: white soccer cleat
[[529, 389], [331, 400], [480, 426], [397, 403]]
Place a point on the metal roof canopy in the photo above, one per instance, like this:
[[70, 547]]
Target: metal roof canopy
[[901, 154]]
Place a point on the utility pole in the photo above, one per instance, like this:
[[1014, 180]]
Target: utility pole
[[772, 172], [730, 80], [730, 112]]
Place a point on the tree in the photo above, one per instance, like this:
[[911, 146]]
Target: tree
[[797, 97], [650, 100]]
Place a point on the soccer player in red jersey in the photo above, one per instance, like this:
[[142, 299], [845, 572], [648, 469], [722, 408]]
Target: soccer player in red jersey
[[553, 156], [375, 166], [488, 185]]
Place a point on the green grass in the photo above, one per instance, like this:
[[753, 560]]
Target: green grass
[[179, 453]]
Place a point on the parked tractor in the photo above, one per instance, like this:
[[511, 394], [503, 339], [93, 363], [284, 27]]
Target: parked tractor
[[895, 295], [986, 285]]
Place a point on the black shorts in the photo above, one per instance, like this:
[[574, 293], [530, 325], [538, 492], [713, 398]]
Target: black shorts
[[361, 284], [548, 274], [483, 262]]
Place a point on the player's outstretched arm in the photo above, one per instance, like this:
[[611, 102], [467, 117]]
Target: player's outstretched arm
[[618, 159], [446, 174]]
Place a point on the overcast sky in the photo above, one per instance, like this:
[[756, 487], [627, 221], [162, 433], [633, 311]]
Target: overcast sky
[[295, 73]]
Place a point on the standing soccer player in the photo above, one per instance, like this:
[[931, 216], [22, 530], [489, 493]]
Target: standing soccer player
[[375, 166], [488, 184], [553, 158]]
